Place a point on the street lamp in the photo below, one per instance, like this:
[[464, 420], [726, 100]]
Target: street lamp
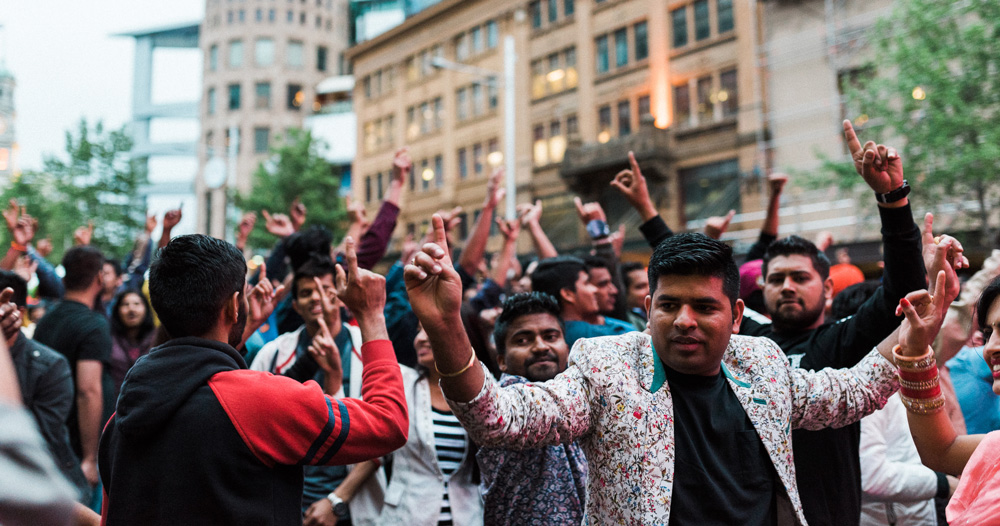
[[509, 61]]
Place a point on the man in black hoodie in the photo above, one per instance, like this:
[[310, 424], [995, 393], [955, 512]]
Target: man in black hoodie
[[199, 439]]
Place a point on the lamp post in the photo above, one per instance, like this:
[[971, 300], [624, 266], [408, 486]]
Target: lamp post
[[510, 111]]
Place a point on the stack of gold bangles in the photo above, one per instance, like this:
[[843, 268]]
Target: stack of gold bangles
[[918, 382]]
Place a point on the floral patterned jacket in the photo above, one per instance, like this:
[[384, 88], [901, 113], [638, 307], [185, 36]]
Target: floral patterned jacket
[[603, 399]]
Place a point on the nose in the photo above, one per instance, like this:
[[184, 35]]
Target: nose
[[685, 318], [540, 346], [788, 284]]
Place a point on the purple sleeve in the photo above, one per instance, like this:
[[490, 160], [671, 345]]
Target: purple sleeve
[[375, 241]]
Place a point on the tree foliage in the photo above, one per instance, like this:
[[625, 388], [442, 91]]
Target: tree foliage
[[934, 82], [296, 170], [97, 183]]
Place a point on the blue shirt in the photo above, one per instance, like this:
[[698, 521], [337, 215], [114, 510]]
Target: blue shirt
[[581, 329], [973, 381]]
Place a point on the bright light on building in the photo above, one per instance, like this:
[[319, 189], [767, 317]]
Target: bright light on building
[[723, 95], [427, 174], [604, 136], [555, 75], [495, 158], [919, 93]]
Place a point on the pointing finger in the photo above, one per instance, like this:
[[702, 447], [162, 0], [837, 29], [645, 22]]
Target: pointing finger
[[351, 255], [440, 236], [853, 144], [632, 162], [729, 217]]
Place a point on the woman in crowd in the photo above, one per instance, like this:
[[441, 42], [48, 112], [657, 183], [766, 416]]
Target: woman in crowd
[[132, 333], [975, 457], [434, 477]]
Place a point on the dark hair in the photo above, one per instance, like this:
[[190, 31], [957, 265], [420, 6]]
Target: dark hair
[[114, 266], [16, 282], [696, 255], [315, 267], [519, 305], [83, 264], [555, 274], [301, 246], [986, 300], [797, 246], [628, 268], [851, 298], [118, 327], [191, 280], [593, 262]]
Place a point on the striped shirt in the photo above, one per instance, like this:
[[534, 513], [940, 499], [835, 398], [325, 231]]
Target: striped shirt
[[449, 444]]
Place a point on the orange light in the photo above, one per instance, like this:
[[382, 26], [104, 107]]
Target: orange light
[[660, 98]]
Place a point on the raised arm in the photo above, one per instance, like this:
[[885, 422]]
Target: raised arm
[[475, 246], [170, 220], [375, 238], [769, 230], [531, 215], [631, 183]]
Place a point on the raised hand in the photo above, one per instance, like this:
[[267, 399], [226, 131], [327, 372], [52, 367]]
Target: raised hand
[[324, 350], [356, 212], [402, 165], [510, 229], [943, 254], [150, 223], [262, 300], [10, 315], [617, 240], [451, 218], [494, 190], [278, 225], [432, 284], [589, 211], [243, 230], [530, 214], [924, 313], [716, 226], [823, 240], [171, 218], [362, 291], [25, 267], [297, 213], [44, 247], [878, 164], [12, 213], [83, 235], [24, 230], [631, 183], [776, 183]]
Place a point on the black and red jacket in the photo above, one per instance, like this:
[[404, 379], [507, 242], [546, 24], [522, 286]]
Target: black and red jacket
[[199, 439]]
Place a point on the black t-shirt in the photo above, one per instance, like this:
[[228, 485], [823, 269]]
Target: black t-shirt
[[79, 333], [722, 472]]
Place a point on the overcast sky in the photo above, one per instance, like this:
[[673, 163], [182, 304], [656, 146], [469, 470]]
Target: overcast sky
[[68, 65]]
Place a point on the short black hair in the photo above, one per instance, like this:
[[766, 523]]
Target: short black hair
[[629, 267], [797, 246], [116, 266], [17, 283], [191, 280], [118, 326], [519, 305], [555, 274], [986, 300], [82, 264], [696, 255], [316, 267], [592, 262], [301, 246], [851, 298]]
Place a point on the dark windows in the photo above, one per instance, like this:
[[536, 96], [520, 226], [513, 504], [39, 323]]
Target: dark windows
[[234, 96], [682, 105], [702, 27], [724, 14], [621, 47], [641, 33], [602, 54], [261, 140], [321, 58], [680, 28], [295, 97], [262, 95], [728, 93], [624, 118]]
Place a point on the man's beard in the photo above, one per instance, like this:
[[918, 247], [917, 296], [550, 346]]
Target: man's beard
[[799, 321], [236, 332]]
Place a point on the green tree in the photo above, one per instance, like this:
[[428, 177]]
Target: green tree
[[934, 81], [296, 170], [97, 183]]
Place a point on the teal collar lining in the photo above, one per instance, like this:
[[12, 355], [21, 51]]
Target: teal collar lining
[[660, 373]]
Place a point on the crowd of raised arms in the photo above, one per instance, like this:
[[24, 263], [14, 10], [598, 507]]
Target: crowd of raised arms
[[179, 388]]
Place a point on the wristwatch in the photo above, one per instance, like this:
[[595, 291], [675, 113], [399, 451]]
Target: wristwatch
[[339, 506], [895, 195], [598, 229]]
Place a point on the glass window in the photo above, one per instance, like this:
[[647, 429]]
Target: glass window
[[624, 118], [295, 97], [536, 14], [229, 17], [477, 159], [462, 47], [302, 18], [728, 93], [425, 117], [680, 26], [724, 13], [438, 171], [463, 164], [381, 184], [705, 100], [702, 29], [461, 104], [368, 188], [569, 58], [211, 101], [261, 138], [682, 105], [290, 16], [209, 144], [438, 114], [260, 15], [491, 95], [643, 107], [555, 75], [270, 15], [602, 54], [540, 147], [213, 58], [604, 124], [412, 128], [263, 52], [492, 34], [641, 41], [234, 96], [477, 99], [557, 142], [476, 35], [321, 58], [553, 11], [572, 126], [568, 7], [424, 182], [539, 84], [621, 47], [710, 190], [243, 15], [236, 54], [262, 95], [295, 53]]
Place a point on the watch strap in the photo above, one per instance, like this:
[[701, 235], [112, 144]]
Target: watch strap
[[894, 195]]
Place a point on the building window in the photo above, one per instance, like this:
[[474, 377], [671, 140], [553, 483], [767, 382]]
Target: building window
[[463, 164], [229, 17], [604, 124], [295, 53], [477, 100], [724, 14], [368, 189], [290, 16], [569, 58], [621, 47], [492, 34], [243, 16], [295, 97], [568, 7], [477, 159], [438, 113], [425, 177], [234, 96], [553, 10], [728, 93], [235, 54], [264, 52], [540, 146], [270, 15], [209, 144], [302, 18], [260, 15], [476, 35], [702, 27], [602, 54], [492, 98], [705, 104], [461, 105], [381, 186], [536, 14], [213, 58], [643, 107], [321, 58], [557, 142], [493, 147], [641, 33], [572, 127], [682, 105], [211, 101], [229, 140], [438, 171], [680, 26], [624, 118], [262, 95], [710, 190], [261, 140]]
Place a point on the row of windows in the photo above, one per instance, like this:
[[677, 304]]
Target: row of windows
[[620, 39], [425, 117], [476, 40], [546, 12], [262, 97], [554, 74], [622, 117], [261, 142], [549, 140], [380, 82], [472, 161], [471, 158], [475, 99], [698, 15], [319, 3], [264, 54], [420, 65], [378, 134], [716, 97], [239, 16]]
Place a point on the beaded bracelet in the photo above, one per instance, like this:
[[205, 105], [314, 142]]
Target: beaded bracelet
[[919, 383], [472, 361]]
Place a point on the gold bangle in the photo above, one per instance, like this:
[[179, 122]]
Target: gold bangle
[[923, 406], [920, 386], [472, 361], [913, 363]]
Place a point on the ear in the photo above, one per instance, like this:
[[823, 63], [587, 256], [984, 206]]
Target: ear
[[232, 309], [567, 295], [648, 302], [502, 362], [737, 316], [828, 289]]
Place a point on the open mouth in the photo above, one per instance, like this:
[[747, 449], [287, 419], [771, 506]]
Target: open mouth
[[995, 364]]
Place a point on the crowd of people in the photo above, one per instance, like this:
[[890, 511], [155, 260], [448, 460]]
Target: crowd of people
[[465, 388]]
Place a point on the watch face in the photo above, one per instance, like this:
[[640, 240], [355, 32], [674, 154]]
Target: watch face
[[340, 510]]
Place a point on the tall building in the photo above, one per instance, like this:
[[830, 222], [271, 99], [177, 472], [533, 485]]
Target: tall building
[[8, 137], [263, 63]]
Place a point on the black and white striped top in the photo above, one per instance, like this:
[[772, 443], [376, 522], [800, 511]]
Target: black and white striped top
[[449, 444]]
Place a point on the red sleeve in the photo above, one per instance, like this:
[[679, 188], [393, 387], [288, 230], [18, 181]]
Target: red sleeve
[[286, 422]]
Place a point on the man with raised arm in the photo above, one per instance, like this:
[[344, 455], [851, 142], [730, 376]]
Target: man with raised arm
[[689, 413], [199, 439]]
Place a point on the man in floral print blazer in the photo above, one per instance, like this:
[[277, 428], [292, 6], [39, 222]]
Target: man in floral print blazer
[[645, 406]]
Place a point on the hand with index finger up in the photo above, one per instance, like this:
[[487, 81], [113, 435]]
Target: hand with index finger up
[[879, 165], [433, 285], [362, 291]]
